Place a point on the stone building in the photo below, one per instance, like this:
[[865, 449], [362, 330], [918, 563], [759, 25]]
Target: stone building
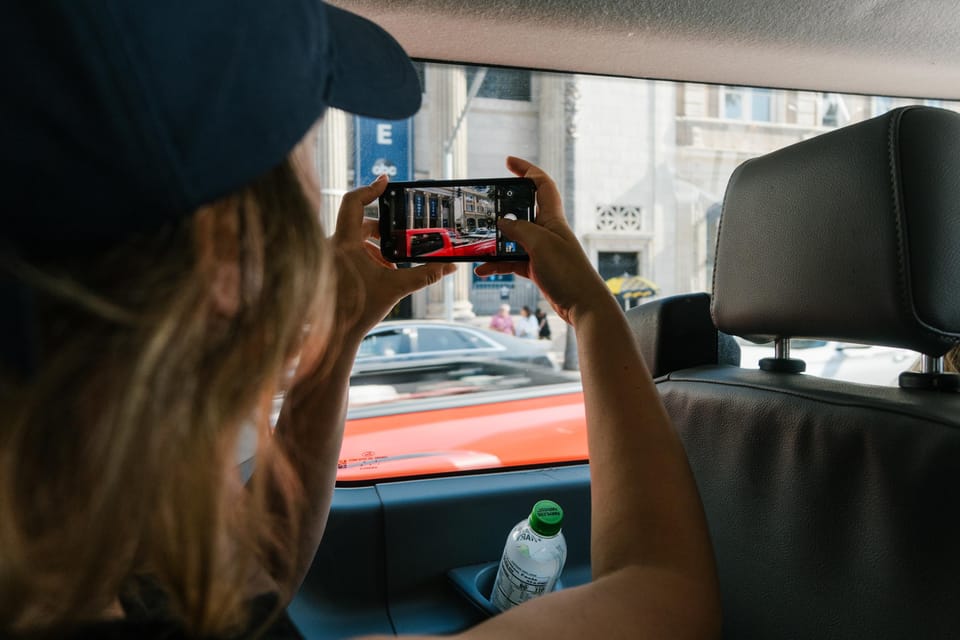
[[641, 165]]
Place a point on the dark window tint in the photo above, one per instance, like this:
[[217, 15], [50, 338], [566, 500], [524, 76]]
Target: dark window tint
[[423, 243], [503, 84]]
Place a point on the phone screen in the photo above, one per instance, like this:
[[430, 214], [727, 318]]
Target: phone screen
[[453, 221]]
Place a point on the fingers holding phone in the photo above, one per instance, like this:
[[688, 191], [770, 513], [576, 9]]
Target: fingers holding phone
[[368, 285], [549, 202], [557, 262]]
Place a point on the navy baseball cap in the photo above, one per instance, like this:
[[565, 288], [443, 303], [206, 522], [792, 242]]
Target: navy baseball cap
[[119, 116]]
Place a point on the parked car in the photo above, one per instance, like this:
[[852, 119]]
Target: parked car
[[446, 243], [838, 360], [411, 340]]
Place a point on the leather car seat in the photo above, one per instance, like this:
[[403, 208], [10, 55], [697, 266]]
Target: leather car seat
[[834, 507]]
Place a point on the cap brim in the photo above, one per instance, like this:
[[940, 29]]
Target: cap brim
[[371, 73]]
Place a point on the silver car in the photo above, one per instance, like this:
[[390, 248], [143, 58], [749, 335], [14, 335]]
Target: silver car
[[403, 340]]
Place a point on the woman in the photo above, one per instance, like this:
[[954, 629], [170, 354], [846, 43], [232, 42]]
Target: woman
[[502, 321], [161, 313], [543, 327], [527, 327]]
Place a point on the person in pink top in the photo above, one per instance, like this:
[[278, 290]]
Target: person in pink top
[[502, 321]]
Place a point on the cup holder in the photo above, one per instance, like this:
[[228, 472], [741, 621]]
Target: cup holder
[[475, 582]]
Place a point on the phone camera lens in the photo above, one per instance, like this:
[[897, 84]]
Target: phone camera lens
[[509, 193]]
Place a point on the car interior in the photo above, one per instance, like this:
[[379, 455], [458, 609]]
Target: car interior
[[831, 504]]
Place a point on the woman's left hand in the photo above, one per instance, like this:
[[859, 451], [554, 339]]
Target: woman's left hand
[[369, 285], [311, 422]]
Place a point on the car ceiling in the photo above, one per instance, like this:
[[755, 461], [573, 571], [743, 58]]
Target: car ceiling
[[881, 47]]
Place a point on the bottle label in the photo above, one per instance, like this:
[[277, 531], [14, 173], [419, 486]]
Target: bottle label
[[515, 585]]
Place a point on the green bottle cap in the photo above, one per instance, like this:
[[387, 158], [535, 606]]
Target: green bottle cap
[[546, 518]]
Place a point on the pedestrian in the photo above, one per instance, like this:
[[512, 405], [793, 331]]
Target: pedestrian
[[502, 321], [542, 324], [527, 327]]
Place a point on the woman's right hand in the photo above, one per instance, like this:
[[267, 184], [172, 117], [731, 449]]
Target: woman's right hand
[[558, 264]]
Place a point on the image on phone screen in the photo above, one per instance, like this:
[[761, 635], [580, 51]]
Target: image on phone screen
[[449, 221]]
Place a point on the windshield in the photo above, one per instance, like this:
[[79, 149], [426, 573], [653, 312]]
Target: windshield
[[642, 167]]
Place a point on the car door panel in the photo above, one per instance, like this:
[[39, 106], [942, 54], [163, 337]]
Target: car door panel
[[384, 561], [344, 593]]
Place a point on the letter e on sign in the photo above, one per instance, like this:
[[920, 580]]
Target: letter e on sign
[[382, 146]]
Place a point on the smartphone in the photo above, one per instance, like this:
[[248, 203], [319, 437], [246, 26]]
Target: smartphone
[[453, 220]]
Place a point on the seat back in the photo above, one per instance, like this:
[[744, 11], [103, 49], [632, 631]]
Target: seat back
[[832, 509], [677, 333], [833, 505]]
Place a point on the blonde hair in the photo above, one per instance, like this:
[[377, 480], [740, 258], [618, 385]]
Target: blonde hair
[[951, 361], [117, 455]]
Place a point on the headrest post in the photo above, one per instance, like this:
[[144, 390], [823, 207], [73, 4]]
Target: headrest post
[[930, 364], [931, 376], [781, 348], [781, 362]]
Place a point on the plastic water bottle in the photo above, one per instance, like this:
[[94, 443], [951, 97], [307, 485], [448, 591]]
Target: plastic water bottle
[[532, 558]]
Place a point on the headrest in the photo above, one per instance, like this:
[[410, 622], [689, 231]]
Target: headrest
[[853, 235], [676, 333]]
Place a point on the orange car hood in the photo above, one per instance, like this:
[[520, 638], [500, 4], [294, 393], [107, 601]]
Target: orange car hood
[[532, 431]]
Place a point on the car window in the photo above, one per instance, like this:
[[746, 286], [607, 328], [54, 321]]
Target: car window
[[385, 343], [641, 166], [435, 339], [477, 341], [422, 243]]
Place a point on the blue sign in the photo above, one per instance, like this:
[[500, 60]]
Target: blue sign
[[496, 280], [382, 146], [418, 206]]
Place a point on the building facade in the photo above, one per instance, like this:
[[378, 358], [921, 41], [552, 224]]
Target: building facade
[[641, 165]]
